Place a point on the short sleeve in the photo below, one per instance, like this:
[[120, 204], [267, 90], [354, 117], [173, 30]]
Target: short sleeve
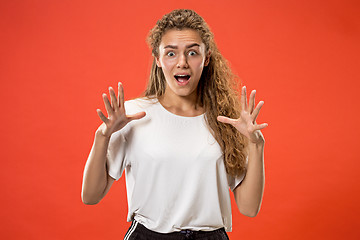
[[235, 181], [116, 155]]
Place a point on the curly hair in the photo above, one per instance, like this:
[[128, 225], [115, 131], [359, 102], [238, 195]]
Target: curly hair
[[217, 90]]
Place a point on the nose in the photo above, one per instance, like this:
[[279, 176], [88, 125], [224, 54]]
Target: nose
[[182, 62]]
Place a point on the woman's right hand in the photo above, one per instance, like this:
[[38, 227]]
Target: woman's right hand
[[117, 117]]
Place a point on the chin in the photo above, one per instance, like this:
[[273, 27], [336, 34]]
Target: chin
[[184, 93]]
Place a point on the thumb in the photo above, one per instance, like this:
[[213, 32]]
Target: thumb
[[226, 120], [136, 116]]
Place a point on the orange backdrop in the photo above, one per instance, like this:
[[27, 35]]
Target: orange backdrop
[[58, 57]]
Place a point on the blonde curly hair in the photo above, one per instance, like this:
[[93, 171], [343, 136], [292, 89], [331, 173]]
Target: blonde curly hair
[[217, 91]]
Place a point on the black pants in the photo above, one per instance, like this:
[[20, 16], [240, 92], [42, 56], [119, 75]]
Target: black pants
[[140, 232]]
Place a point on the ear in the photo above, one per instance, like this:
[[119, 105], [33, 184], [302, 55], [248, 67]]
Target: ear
[[207, 59], [157, 62]]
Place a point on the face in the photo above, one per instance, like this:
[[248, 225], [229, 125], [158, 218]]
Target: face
[[182, 58]]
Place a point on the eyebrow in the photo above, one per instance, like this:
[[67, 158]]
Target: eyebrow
[[188, 46]]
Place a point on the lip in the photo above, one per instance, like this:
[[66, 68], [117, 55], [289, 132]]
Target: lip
[[185, 82], [182, 73], [182, 83]]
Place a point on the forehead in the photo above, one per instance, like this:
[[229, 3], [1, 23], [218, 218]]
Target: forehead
[[180, 37]]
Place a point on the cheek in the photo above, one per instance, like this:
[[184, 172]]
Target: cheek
[[166, 68], [167, 65], [198, 64]]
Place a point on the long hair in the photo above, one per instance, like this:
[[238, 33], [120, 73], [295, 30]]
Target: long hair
[[217, 89]]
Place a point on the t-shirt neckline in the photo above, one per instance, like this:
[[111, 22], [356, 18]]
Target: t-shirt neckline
[[175, 115]]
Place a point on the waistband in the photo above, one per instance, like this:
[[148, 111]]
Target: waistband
[[186, 233]]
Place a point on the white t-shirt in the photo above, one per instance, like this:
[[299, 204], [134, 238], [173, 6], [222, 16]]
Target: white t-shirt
[[175, 173]]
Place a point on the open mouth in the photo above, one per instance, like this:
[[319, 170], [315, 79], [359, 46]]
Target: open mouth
[[182, 78]]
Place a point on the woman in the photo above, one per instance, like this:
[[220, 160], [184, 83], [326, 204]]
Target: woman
[[191, 141]]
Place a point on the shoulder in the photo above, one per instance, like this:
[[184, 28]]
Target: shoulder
[[139, 104]]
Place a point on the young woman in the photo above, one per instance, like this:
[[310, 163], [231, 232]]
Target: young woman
[[184, 143]]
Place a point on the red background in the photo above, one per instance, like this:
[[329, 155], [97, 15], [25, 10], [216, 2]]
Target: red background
[[58, 57]]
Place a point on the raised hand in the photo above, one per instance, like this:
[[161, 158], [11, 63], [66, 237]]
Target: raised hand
[[115, 109], [246, 124]]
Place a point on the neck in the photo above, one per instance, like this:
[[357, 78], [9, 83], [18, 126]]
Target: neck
[[181, 105]]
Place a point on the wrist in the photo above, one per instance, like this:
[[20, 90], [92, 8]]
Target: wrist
[[100, 134], [258, 144]]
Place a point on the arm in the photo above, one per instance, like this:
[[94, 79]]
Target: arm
[[248, 195], [96, 181]]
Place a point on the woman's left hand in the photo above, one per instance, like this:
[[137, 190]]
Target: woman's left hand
[[246, 124]]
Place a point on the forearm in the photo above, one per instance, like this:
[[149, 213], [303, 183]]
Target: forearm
[[249, 194], [95, 173]]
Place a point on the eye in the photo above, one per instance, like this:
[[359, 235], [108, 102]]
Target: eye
[[192, 53], [171, 54]]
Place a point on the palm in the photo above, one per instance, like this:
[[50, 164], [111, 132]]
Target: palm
[[246, 123], [115, 109]]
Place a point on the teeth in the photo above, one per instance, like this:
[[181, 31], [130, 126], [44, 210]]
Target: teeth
[[181, 77]]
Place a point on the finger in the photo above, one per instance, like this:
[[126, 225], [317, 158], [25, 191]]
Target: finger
[[252, 101], [136, 116], [114, 103], [121, 95], [261, 126], [257, 110], [226, 120], [243, 98], [102, 116], [107, 105]]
